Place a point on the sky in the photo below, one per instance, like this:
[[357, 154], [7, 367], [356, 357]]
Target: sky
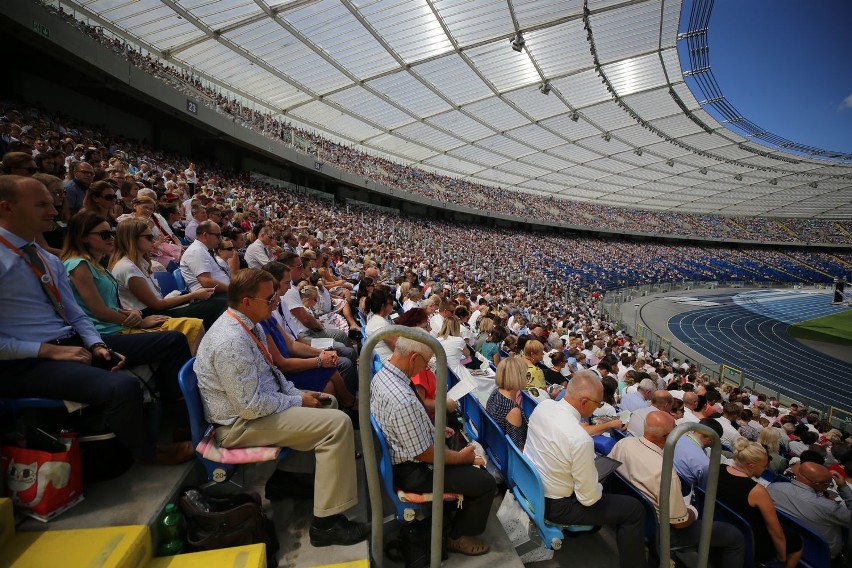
[[786, 65]]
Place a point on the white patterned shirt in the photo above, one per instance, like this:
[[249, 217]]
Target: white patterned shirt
[[234, 377]]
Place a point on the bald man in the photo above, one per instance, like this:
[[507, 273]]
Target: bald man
[[642, 466], [690, 404], [564, 454], [803, 499]]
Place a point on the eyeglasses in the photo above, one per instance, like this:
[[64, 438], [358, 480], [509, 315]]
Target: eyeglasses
[[227, 248], [269, 302], [822, 483], [149, 236], [108, 196], [105, 235], [598, 403]]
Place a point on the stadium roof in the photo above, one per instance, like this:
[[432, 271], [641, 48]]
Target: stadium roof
[[583, 100]]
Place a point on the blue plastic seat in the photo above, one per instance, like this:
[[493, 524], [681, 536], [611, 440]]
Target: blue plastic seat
[[404, 511], [528, 403], [188, 381], [494, 441], [817, 553], [180, 282], [166, 281], [725, 514]]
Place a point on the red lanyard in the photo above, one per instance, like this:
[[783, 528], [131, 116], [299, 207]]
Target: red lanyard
[[263, 348], [46, 279]]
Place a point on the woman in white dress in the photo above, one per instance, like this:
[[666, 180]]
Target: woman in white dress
[[458, 353]]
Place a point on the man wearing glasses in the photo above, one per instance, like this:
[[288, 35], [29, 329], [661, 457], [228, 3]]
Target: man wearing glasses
[[804, 499], [198, 264], [564, 455], [253, 404], [82, 174]]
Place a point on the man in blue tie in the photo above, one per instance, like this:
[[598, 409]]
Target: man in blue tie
[[50, 348]]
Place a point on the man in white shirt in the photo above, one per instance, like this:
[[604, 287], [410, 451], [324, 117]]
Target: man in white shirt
[[436, 321], [199, 265], [690, 403], [199, 215], [564, 454], [728, 420], [257, 253]]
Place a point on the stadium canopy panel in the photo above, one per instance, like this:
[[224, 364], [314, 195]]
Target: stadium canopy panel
[[582, 100]]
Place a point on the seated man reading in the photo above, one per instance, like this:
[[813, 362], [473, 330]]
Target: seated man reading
[[253, 404]]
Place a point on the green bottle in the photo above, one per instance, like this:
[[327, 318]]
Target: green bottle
[[170, 530]]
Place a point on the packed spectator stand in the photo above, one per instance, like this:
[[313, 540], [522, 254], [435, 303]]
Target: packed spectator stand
[[457, 191], [547, 286]]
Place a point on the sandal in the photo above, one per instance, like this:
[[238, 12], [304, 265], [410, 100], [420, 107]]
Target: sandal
[[468, 545]]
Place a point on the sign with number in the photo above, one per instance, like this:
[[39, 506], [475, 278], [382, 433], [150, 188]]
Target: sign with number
[[318, 166], [191, 106], [42, 29]]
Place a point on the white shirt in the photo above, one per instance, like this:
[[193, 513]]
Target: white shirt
[[729, 433], [636, 426], [123, 271], [374, 324], [562, 452], [256, 255], [197, 260], [292, 301], [436, 321], [688, 416]]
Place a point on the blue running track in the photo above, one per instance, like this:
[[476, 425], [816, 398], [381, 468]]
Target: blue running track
[[750, 334]]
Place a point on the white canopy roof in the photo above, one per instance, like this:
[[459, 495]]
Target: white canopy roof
[[438, 83]]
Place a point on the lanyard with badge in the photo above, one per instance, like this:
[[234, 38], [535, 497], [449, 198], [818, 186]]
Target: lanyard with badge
[[47, 280]]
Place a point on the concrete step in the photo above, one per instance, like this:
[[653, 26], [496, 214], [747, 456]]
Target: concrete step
[[252, 556]]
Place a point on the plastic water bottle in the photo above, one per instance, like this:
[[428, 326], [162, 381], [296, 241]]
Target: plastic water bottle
[[170, 530]]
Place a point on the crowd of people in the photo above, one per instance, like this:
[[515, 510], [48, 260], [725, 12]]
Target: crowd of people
[[282, 287], [458, 191]]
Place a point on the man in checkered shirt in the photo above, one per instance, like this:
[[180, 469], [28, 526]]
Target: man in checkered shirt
[[410, 436]]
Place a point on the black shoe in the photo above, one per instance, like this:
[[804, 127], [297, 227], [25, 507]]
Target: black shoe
[[344, 533]]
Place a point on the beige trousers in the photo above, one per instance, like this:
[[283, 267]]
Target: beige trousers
[[326, 431]]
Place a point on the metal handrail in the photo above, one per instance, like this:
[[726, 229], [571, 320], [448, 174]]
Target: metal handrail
[[709, 501], [369, 448]]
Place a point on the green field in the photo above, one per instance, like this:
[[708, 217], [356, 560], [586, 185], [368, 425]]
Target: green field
[[836, 328]]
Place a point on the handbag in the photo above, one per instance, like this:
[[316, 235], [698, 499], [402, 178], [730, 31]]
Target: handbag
[[222, 522], [43, 484]]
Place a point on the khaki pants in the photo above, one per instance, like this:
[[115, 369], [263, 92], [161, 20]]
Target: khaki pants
[[326, 431]]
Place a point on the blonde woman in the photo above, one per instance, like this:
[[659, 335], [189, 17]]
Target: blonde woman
[[138, 290], [749, 499], [502, 404], [770, 439]]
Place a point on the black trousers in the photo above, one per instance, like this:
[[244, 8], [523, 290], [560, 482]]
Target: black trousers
[[119, 394], [476, 484]]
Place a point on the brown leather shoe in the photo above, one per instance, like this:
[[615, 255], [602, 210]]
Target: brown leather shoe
[[172, 454]]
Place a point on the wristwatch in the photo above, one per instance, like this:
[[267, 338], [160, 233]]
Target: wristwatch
[[99, 344]]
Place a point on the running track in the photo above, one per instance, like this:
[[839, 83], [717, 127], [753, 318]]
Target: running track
[[760, 347]]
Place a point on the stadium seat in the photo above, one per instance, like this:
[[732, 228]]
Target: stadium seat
[[166, 281], [817, 553], [528, 403], [603, 444], [406, 504], [180, 282], [725, 514], [493, 440], [217, 472]]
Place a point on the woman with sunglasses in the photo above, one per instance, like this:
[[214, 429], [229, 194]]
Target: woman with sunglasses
[[163, 251], [139, 290], [100, 200], [90, 240]]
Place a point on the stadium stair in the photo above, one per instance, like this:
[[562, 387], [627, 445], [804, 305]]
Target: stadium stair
[[108, 547], [741, 232], [843, 230], [842, 261]]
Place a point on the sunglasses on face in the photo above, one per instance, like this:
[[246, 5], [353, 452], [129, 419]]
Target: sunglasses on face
[[108, 196], [149, 236], [105, 235], [227, 248]]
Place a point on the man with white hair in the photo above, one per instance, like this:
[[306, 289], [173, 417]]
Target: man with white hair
[[564, 454], [410, 434], [660, 400], [639, 399]]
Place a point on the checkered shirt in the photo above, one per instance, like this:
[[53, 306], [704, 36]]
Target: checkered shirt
[[400, 415]]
